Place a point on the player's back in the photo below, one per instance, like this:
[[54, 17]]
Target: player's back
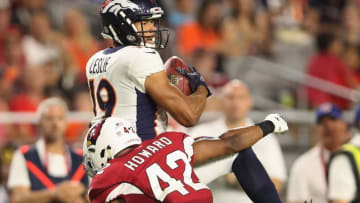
[[116, 79], [157, 170]]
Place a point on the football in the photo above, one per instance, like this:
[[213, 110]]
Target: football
[[180, 81]]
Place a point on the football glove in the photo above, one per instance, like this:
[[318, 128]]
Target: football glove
[[195, 79], [280, 125]]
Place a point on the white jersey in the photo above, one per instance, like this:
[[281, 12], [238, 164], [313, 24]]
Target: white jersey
[[116, 79]]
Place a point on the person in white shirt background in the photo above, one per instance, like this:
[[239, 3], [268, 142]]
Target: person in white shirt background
[[49, 170], [307, 179], [236, 102], [344, 170]]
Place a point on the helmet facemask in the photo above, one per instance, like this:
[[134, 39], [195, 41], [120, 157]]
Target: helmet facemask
[[160, 35]]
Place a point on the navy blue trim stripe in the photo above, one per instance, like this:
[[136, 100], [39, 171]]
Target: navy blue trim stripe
[[145, 116]]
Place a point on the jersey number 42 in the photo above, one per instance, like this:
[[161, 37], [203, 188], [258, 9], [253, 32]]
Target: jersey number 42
[[155, 173]]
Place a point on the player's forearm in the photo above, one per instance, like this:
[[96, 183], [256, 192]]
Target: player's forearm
[[187, 109], [196, 103], [41, 196], [231, 142], [242, 138]]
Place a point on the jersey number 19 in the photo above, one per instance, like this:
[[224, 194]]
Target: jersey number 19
[[107, 104]]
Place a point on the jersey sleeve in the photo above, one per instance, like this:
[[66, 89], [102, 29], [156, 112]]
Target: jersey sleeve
[[342, 184], [146, 62], [188, 147], [124, 191]]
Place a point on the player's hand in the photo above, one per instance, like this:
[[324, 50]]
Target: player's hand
[[195, 79], [69, 191], [280, 125]]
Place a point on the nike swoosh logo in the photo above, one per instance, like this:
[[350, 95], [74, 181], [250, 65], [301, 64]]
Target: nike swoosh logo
[[152, 52]]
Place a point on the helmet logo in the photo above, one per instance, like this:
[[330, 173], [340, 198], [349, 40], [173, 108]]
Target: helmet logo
[[105, 4], [94, 133], [115, 5]]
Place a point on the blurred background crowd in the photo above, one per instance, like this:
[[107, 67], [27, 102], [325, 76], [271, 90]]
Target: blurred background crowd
[[292, 54]]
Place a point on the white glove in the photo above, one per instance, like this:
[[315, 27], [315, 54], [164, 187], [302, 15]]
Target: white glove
[[279, 123]]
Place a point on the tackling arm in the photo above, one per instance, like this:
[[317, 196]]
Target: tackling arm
[[185, 109], [231, 142], [236, 140]]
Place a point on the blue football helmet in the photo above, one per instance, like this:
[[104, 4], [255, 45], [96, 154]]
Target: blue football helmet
[[119, 16]]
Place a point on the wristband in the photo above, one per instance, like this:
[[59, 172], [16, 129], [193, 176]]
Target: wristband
[[267, 127]]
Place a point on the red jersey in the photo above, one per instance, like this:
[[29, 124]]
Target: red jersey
[[159, 169]]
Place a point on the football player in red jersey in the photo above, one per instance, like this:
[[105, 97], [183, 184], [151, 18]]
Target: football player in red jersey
[[125, 169]]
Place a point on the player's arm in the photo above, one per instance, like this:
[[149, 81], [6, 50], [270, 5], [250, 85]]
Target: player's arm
[[237, 139], [185, 109]]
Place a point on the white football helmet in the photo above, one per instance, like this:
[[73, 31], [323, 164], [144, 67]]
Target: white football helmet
[[104, 140]]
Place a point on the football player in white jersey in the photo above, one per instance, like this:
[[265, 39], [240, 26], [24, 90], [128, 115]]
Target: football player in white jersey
[[129, 81]]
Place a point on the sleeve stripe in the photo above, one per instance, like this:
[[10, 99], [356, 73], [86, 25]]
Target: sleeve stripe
[[123, 189], [205, 138]]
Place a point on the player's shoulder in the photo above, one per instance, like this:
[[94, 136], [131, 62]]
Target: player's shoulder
[[110, 184], [107, 176], [178, 138], [143, 54]]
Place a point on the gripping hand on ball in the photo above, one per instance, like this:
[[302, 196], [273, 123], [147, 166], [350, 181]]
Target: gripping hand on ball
[[195, 79]]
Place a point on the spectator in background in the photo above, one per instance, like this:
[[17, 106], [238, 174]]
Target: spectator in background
[[183, 13], [328, 65], [236, 102], [246, 31], [27, 101], [344, 168], [205, 62], [351, 24], [308, 174], [203, 33], [352, 59], [5, 25], [12, 65], [49, 170], [24, 10], [330, 11], [41, 45], [52, 80], [33, 91], [80, 44]]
